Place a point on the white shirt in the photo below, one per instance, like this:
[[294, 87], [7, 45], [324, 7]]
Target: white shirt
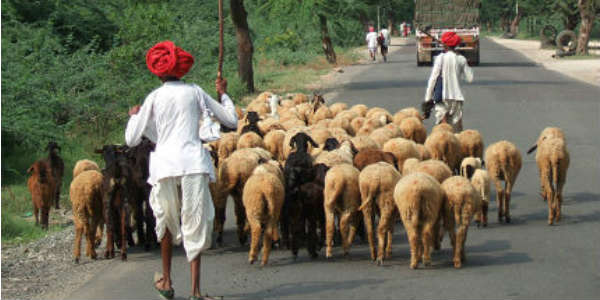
[[452, 67], [386, 36], [170, 117], [371, 39]]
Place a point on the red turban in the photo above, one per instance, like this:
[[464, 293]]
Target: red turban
[[450, 38], [166, 59]]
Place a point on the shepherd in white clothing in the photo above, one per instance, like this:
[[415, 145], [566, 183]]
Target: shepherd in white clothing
[[448, 67], [180, 167], [372, 42], [385, 39]]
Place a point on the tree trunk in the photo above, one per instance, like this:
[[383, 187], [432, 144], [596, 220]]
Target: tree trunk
[[245, 50], [587, 13], [326, 41], [514, 25]]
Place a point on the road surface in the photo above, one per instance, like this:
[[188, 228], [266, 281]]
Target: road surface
[[511, 98]]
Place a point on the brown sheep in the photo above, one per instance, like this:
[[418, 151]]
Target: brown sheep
[[552, 159], [395, 129], [461, 201], [370, 156], [375, 110], [381, 135], [413, 129], [41, 185], [364, 142], [469, 165], [342, 122], [86, 200], [338, 107], [402, 149], [339, 134], [481, 182], [444, 146], [263, 196], [360, 109], [419, 198], [471, 143], [347, 114], [84, 165], [292, 124], [342, 195], [274, 143], [503, 161], [442, 127], [250, 140], [356, 124], [370, 125], [548, 132], [435, 168], [342, 155], [227, 145], [423, 152], [398, 117], [319, 135], [377, 183], [300, 98]]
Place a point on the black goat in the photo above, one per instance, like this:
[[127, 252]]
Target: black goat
[[252, 119], [57, 167], [313, 213]]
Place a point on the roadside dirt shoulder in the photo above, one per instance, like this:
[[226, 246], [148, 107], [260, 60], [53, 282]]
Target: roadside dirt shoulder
[[587, 70]]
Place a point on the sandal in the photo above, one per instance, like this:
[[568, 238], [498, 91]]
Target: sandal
[[165, 294]]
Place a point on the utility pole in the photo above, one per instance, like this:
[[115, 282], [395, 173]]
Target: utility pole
[[378, 25]]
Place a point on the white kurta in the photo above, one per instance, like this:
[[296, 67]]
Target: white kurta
[[386, 37], [371, 40], [170, 117], [452, 66]]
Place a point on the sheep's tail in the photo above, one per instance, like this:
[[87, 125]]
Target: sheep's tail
[[370, 195]]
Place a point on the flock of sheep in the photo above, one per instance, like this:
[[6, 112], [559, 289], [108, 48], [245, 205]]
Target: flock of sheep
[[295, 166]]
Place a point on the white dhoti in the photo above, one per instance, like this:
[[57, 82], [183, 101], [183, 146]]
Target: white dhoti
[[186, 198], [452, 111]]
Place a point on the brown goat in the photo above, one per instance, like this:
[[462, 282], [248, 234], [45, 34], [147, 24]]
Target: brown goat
[[42, 187]]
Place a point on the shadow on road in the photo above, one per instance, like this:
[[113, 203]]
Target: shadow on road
[[507, 64], [478, 260], [384, 84], [307, 288]]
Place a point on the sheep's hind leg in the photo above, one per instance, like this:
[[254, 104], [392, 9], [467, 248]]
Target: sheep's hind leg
[[77, 246], [255, 232], [240, 214]]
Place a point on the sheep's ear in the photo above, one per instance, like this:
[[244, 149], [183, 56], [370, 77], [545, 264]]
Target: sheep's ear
[[532, 149], [293, 142]]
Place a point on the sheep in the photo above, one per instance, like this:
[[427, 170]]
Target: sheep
[[297, 171], [263, 197], [503, 161], [413, 129], [552, 159], [341, 122], [260, 104], [311, 194], [227, 144], [481, 182], [548, 132], [461, 201], [292, 124], [419, 199], [250, 140], [322, 124], [412, 112], [289, 134], [347, 114], [370, 156], [269, 124], [360, 109], [339, 134], [471, 143], [443, 145], [232, 175], [41, 185], [269, 166], [423, 152], [287, 103], [435, 168], [286, 113], [399, 116], [395, 129], [57, 168], [381, 135], [304, 111], [252, 119], [356, 124], [370, 125], [86, 201], [376, 183], [342, 195], [337, 107], [342, 155], [84, 165], [469, 165], [300, 98], [442, 127], [320, 135], [274, 143], [319, 111], [402, 149]]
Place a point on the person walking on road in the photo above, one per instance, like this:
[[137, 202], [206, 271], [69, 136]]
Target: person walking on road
[[180, 166], [372, 42], [443, 92], [385, 39]]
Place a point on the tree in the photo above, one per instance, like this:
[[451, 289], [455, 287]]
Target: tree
[[568, 11], [245, 49], [588, 9]]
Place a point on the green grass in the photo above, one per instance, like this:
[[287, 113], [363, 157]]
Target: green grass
[[581, 57], [16, 229]]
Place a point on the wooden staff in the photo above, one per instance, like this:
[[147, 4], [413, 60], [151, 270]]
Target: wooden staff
[[220, 67]]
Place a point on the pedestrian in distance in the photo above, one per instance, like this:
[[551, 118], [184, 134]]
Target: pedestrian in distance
[[384, 40], [180, 166], [372, 42], [443, 93]]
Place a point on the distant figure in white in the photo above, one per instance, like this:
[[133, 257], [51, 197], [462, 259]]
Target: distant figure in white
[[384, 42], [403, 29], [448, 67], [372, 42], [274, 101]]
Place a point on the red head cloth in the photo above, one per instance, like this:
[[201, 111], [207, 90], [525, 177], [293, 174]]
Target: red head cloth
[[166, 59], [371, 29], [450, 38]]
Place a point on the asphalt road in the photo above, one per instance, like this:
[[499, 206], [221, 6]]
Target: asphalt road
[[511, 98]]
